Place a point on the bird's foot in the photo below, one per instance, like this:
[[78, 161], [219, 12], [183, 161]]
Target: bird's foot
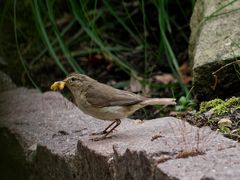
[[99, 133]]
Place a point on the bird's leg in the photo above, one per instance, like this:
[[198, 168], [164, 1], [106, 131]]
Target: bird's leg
[[105, 130], [118, 122]]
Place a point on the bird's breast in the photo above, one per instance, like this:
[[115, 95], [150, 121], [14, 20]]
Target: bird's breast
[[105, 113]]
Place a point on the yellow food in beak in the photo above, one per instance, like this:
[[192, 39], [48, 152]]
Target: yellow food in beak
[[58, 85]]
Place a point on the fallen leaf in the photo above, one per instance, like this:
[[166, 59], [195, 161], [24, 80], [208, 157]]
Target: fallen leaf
[[186, 73], [138, 121], [185, 68], [164, 78], [135, 85], [186, 79]]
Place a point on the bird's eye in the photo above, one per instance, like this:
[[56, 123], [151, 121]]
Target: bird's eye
[[72, 80]]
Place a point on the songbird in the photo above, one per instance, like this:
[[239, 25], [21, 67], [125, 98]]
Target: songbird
[[105, 102]]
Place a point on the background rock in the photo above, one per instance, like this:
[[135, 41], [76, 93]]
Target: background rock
[[214, 42]]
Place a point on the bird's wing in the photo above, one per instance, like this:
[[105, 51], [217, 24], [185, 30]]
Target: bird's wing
[[102, 95]]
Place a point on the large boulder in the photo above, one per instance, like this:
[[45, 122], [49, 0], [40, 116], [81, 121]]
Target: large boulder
[[214, 42]]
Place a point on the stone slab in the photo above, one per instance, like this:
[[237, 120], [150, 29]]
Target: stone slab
[[52, 137]]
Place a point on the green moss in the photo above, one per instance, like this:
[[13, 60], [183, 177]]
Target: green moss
[[220, 109], [232, 102], [207, 105], [224, 129], [219, 106], [221, 115], [224, 107], [213, 120]]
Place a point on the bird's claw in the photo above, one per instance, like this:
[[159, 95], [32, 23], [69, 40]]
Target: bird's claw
[[100, 138], [99, 133]]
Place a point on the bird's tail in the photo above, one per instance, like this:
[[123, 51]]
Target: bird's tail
[[159, 101]]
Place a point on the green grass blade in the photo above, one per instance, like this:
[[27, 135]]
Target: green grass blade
[[54, 42], [128, 15], [145, 39], [97, 50], [65, 50], [18, 49], [118, 18], [79, 15], [216, 13], [4, 12], [172, 61], [43, 34]]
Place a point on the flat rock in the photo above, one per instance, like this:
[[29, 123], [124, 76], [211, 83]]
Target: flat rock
[[214, 42], [44, 136]]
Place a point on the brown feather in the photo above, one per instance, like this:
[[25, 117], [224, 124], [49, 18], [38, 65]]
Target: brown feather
[[101, 95]]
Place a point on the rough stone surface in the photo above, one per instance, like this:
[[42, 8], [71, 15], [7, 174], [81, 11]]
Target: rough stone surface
[[44, 136], [214, 42]]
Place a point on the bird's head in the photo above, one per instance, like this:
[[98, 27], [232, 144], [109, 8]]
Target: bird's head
[[73, 81]]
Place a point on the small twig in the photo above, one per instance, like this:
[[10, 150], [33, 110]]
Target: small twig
[[190, 153], [215, 72], [79, 130], [60, 133], [156, 136], [215, 82]]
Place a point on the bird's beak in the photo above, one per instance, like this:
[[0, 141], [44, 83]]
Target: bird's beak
[[65, 80], [58, 85]]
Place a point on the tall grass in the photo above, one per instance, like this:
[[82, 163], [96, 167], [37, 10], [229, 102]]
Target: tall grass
[[164, 26], [18, 49], [127, 33]]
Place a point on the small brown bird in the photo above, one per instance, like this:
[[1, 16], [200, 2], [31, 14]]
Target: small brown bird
[[105, 102]]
